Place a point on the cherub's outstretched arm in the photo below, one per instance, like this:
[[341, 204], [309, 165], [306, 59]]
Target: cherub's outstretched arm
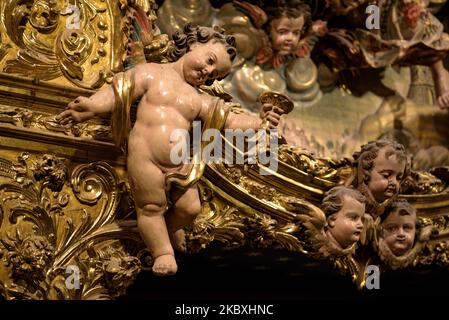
[[243, 121], [268, 114], [103, 101]]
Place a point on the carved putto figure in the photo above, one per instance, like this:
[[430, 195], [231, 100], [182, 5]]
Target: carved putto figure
[[379, 169], [399, 227], [274, 43], [344, 209], [400, 235], [168, 101]]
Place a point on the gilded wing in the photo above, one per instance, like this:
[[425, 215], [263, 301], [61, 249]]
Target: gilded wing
[[244, 21]]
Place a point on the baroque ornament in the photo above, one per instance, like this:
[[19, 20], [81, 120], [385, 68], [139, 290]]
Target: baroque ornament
[[66, 211], [47, 230], [84, 43]]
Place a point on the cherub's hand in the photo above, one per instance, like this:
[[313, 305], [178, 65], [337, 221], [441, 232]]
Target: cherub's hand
[[443, 101], [76, 111], [271, 114]]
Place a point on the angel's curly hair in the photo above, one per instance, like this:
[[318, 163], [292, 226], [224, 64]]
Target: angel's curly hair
[[333, 199], [185, 38], [365, 158]]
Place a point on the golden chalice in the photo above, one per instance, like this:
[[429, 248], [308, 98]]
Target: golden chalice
[[276, 99]]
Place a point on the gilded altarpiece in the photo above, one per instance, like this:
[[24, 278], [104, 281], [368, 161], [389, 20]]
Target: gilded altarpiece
[[64, 196]]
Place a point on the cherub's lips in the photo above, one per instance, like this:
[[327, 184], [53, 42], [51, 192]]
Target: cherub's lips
[[202, 76], [356, 235], [199, 78], [286, 48]]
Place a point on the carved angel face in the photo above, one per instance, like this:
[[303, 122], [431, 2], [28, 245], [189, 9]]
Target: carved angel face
[[386, 175], [285, 34], [346, 225], [399, 230], [206, 62]]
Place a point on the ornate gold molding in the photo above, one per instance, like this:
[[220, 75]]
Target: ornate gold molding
[[58, 215], [65, 197], [80, 45]]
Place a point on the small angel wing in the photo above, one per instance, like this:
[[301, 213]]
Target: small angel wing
[[312, 221]]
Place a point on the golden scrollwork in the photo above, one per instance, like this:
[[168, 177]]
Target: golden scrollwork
[[70, 208], [334, 170], [84, 43], [53, 221], [25, 118]]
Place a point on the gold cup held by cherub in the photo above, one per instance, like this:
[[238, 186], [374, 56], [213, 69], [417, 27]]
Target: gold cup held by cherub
[[276, 99]]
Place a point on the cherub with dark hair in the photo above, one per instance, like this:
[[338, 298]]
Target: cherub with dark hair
[[344, 209], [287, 21], [169, 101], [401, 235], [379, 169], [398, 226]]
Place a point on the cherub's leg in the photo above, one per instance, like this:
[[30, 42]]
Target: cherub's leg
[[182, 215], [148, 187], [441, 79]]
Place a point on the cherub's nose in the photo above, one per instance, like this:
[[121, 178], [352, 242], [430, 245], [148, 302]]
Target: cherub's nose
[[401, 233], [289, 37], [209, 72]]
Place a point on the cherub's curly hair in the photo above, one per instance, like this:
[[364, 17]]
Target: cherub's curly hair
[[333, 199], [365, 158], [288, 9], [190, 34]]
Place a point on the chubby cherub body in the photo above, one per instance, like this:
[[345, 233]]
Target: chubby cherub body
[[169, 101]]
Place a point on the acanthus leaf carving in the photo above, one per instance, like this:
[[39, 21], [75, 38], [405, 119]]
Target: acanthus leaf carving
[[43, 233]]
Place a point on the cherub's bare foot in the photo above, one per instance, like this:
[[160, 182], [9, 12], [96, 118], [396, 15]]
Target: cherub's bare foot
[[178, 240], [165, 265]]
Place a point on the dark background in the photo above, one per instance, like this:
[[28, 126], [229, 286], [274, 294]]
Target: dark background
[[220, 274]]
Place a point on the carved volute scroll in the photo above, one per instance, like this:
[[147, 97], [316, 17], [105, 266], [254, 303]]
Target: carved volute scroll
[[80, 45]]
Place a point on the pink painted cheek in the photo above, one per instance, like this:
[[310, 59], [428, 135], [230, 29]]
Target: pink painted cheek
[[277, 42], [378, 185], [351, 228]]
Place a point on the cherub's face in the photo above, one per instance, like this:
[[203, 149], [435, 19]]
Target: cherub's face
[[285, 34], [386, 175], [206, 61], [399, 232], [346, 225]]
